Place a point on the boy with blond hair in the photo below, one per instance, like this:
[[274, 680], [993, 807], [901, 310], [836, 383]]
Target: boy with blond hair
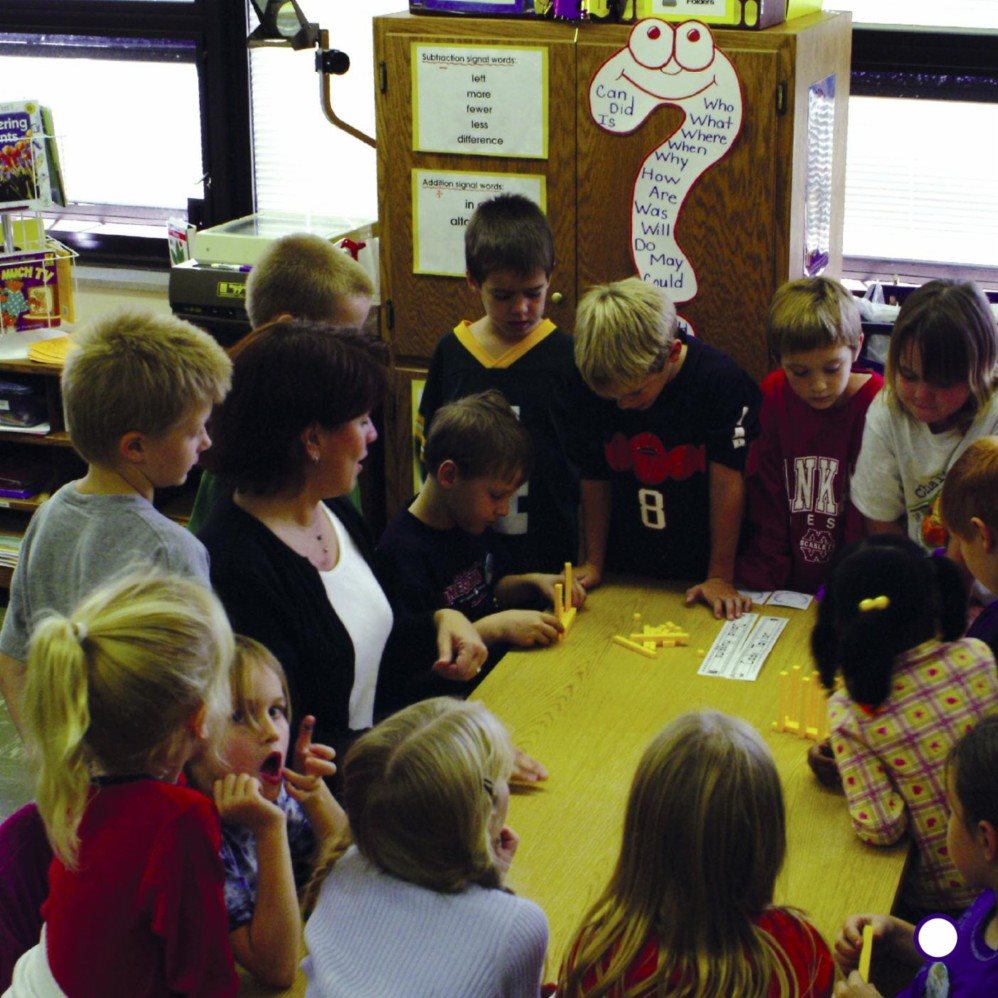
[[813, 413], [300, 276], [304, 276], [662, 482], [969, 509], [443, 550], [137, 389], [509, 258]]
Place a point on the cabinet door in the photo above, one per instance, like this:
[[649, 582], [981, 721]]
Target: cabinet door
[[731, 219], [423, 307]]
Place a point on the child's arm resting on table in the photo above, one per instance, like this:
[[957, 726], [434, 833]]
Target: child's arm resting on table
[[268, 946], [727, 503], [877, 809], [515, 590], [595, 509], [523, 628]]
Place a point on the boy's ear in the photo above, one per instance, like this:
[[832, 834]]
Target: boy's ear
[[987, 836], [675, 349], [447, 474], [132, 447], [987, 534], [472, 283], [857, 349]]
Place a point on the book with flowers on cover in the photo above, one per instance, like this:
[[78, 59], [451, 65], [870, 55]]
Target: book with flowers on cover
[[30, 173]]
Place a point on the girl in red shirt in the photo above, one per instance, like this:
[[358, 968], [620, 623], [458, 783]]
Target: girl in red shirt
[[688, 910], [119, 696]]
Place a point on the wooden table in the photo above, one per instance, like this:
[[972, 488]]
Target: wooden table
[[587, 708]]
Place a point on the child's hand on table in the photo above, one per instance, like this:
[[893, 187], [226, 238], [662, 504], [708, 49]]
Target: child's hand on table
[[527, 769], [545, 585], [526, 628], [721, 596], [587, 575]]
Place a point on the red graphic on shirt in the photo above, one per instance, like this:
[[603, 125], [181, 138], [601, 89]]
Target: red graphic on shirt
[[652, 464]]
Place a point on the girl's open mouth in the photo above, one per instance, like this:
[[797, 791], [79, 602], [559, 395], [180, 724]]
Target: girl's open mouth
[[272, 768]]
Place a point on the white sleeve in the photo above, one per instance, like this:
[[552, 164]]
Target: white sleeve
[[526, 945], [876, 488]]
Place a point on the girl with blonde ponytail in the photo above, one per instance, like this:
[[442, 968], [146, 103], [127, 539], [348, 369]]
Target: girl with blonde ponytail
[[119, 696], [415, 906]]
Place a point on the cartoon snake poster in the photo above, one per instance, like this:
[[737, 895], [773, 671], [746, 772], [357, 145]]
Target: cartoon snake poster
[[677, 65]]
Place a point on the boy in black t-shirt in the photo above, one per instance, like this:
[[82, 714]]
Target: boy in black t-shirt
[[442, 549], [663, 488]]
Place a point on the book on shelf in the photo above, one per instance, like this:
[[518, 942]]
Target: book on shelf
[[30, 171]]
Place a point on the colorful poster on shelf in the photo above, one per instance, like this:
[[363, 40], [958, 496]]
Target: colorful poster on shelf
[[677, 66], [30, 175], [480, 100], [442, 203]]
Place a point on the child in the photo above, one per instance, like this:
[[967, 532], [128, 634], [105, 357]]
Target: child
[[663, 488], [136, 390], [509, 254], [813, 412], [938, 399], [272, 816], [304, 276], [907, 699], [416, 906], [443, 550], [969, 508], [972, 841], [301, 276], [119, 696], [689, 908]]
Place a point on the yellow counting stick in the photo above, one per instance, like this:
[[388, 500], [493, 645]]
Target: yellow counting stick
[[866, 953]]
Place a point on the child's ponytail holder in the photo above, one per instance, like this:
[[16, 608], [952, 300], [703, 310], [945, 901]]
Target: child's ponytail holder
[[79, 631], [874, 603]]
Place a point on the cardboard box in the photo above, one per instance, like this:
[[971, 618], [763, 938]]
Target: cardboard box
[[752, 15]]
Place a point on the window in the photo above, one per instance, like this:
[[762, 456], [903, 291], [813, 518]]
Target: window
[[920, 196], [128, 82]]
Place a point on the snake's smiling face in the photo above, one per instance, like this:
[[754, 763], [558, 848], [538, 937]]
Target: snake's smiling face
[[671, 63]]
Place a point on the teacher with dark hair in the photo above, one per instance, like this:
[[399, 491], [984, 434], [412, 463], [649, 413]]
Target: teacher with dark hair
[[291, 558]]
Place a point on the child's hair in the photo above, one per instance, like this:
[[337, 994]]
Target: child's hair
[[623, 332], [508, 232], [482, 436], [249, 654], [418, 791], [288, 376], [135, 371], [951, 326], [704, 839], [305, 276], [973, 766], [812, 313], [111, 687], [884, 596], [971, 488]]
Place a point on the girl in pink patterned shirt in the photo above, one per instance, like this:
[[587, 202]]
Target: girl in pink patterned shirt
[[887, 624]]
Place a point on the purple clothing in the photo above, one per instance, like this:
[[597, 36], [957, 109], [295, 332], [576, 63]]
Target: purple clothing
[[25, 856], [971, 970], [985, 627]]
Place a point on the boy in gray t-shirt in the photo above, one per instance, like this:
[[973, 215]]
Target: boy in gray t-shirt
[[137, 390]]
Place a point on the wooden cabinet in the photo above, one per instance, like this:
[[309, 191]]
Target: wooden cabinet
[[53, 450], [742, 224]]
